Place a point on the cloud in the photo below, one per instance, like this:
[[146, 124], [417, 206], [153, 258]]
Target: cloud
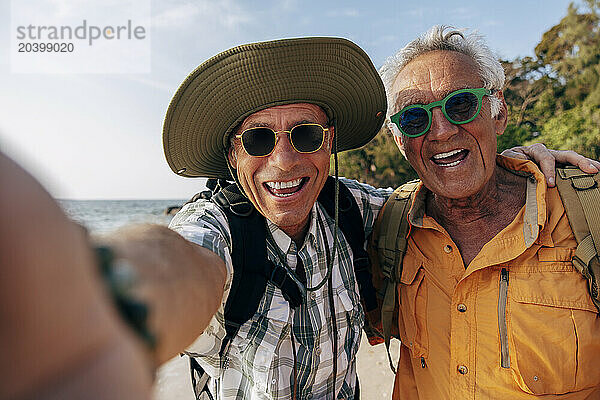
[[416, 12], [166, 87], [382, 40], [181, 14], [492, 22], [68, 11], [344, 12], [63, 8], [462, 13], [226, 14], [287, 5]]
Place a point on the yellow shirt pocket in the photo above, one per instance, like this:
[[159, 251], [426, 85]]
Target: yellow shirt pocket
[[413, 311], [553, 326]]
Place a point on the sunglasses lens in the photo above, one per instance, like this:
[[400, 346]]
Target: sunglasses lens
[[462, 107], [307, 138], [414, 121], [258, 142]]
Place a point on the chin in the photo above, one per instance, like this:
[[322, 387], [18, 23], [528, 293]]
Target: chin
[[290, 218]]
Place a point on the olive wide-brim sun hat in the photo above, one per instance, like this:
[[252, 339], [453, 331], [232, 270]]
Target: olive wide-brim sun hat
[[216, 97]]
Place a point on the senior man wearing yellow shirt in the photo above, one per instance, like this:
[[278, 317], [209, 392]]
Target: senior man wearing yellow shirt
[[490, 305]]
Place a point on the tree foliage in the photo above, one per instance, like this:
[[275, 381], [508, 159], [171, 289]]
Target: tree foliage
[[553, 97], [379, 163]]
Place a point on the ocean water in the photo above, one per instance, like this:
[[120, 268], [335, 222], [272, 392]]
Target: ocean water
[[103, 216]]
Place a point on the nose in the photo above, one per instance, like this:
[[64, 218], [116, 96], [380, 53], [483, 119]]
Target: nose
[[441, 128], [284, 156]]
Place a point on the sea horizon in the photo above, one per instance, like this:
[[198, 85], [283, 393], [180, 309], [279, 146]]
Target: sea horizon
[[106, 215]]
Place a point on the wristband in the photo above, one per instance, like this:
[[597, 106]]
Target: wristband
[[119, 278]]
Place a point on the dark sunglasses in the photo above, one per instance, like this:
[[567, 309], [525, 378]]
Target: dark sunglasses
[[459, 107], [261, 141]]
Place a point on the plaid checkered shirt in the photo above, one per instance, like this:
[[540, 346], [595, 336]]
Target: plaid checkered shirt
[[259, 361]]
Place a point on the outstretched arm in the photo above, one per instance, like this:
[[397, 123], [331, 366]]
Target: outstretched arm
[[181, 282], [547, 158], [62, 338]]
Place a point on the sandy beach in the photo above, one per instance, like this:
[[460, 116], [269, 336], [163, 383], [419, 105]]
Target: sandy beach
[[376, 378]]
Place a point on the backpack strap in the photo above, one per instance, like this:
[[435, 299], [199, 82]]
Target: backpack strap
[[351, 225], [580, 195], [391, 242]]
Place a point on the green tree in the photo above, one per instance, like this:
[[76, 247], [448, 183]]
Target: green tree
[[379, 163], [576, 129]]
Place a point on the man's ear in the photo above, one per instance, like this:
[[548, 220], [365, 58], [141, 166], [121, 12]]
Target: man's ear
[[501, 120], [232, 156], [330, 137]]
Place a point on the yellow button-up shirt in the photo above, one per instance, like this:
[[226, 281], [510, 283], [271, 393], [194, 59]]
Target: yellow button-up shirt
[[516, 323]]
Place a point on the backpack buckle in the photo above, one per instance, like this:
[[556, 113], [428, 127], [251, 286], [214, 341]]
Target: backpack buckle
[[241, 209]]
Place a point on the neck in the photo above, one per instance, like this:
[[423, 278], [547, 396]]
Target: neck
[[486, 203], [297, 232], [473, 221]]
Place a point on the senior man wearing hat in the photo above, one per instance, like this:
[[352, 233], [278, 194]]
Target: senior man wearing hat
[[268, 115]]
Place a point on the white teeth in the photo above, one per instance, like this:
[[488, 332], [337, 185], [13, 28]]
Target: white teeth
[[452, 164], [284, 185], [448, 154]]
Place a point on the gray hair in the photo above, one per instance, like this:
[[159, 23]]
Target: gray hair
[[471, 44]]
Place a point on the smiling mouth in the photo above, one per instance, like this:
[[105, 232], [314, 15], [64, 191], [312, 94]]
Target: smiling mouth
[[285, 188], [450, 158]]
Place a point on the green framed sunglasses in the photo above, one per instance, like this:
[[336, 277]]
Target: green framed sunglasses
[[459, 107]]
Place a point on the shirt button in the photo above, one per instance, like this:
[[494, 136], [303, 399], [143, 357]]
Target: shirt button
[[448, 249], [318, 351], [462, 370], [273, 381], [309, 396], [461, 307], [313, 295]]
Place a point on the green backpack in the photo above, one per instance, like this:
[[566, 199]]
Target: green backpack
[[578, 191]]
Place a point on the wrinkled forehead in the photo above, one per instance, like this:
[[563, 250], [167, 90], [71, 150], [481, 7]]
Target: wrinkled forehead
[[433, 75]]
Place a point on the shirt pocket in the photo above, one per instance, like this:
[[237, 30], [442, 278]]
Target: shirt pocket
[[254, 347], [413, 311], [553, 325]]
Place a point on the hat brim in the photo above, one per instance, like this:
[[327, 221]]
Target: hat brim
[[333, 73]]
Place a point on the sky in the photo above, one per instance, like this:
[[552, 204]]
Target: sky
[[98, 135]]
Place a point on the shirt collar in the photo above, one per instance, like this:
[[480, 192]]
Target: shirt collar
[[284, 242], [535, 215]]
